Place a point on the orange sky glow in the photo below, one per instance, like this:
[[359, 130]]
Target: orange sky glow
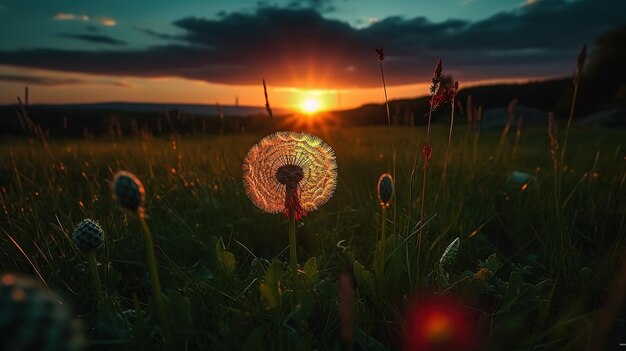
[[85, 88]]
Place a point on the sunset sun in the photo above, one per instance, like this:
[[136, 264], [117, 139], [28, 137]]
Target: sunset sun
[[310, 106]]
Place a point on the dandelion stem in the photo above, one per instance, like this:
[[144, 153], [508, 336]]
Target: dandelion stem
[[293, 258], [156, 283], [93, 266], [383, 233]]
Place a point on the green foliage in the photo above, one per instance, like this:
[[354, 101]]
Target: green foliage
[[311, 274], [111, 323], [225, 259], [223, 263], [363, 278], [270, 288]]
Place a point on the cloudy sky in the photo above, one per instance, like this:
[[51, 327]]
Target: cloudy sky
[[200, 51]]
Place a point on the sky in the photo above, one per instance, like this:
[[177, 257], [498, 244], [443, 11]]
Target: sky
[[199, 51]]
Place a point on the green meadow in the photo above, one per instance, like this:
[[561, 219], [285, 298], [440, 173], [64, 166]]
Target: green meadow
[[530, 267]]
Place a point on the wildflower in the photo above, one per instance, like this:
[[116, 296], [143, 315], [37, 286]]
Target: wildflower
[[130, 194], [128, 191], [289, 172], [385, 189], [436, 80], [88, 235], [293, 173], [443, 96], [31, 318]]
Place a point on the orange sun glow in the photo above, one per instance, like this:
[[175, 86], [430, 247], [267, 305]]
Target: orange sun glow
[[310, 106]]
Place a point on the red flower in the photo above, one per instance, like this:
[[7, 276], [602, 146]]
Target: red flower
[[443, 96], [436, 78]]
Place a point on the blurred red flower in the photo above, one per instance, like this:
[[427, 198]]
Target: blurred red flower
[[439, 323]]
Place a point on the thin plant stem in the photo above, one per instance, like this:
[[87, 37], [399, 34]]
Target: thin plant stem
[[419, 236], [393, 143], [518, 135], [475, 146], [557, 209], [156, 283], [569, 122], [445, 164], [383, 233], [382, 74], [567, 130], [93, 266], [293, 258]]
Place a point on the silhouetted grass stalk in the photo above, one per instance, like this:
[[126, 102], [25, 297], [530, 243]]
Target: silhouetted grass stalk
[[381, 56], [445, 164], [580, 62], [554, 149], [267, 101], [477, 124], [427, 153], [518, 135]]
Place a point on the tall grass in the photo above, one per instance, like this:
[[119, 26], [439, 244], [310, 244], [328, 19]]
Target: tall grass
[[42, 193], [426, 155]]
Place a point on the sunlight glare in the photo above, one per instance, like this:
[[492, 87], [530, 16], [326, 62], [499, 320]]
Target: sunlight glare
[[310, 106]]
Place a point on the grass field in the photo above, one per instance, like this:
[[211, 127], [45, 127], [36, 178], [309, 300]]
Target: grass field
[[553, 268]]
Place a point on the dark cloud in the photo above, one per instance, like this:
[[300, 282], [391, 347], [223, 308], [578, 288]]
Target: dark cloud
[[156, 34], [48, 81], [56, 81], [323, 6], [93, 38], [299, 47]]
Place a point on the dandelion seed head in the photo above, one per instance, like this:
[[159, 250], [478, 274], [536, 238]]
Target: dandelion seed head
[[129, 191], [290, 171]]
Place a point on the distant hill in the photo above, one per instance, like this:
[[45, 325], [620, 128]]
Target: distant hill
[[192, 109], [535, 99], [542, 95], [132, 118]]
